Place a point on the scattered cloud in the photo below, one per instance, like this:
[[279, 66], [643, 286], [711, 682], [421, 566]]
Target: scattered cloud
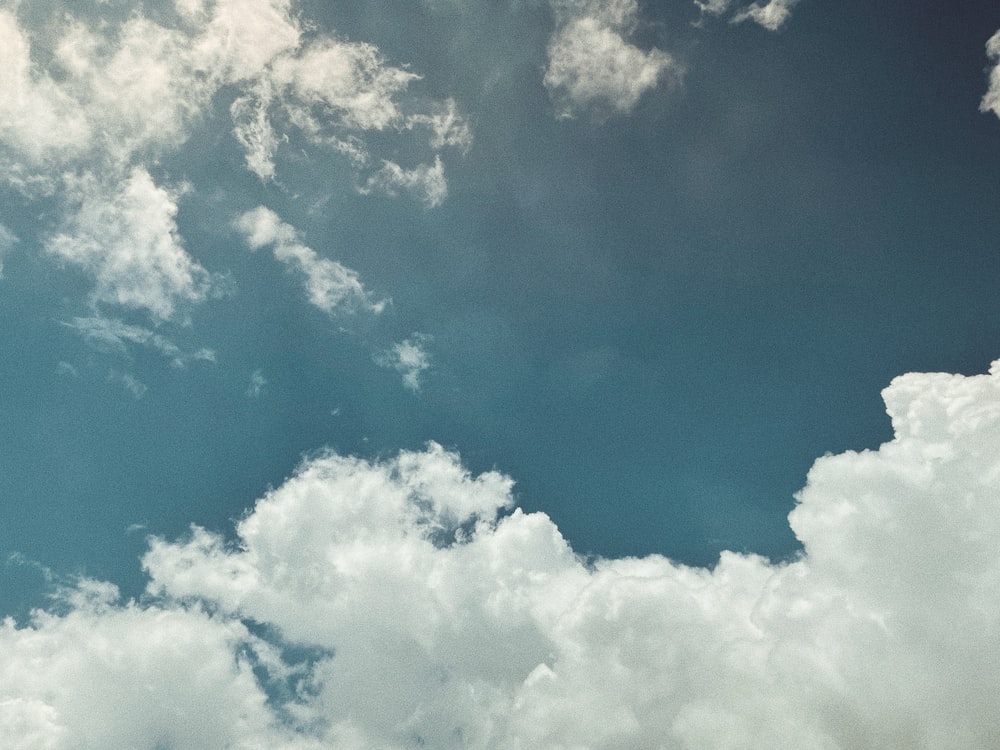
[[402, 603], [771, 15], [991, 100], [125, 236], [591, 62], [330, 286], [88, 97], [409, 358]]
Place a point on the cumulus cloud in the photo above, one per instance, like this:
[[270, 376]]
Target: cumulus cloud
[[403, 603], [771, 15], [591, 61], [991, 100], [329, 286], [409, 358]]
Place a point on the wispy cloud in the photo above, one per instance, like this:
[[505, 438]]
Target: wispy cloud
[[91, 106], [329, 286], [7, 241], [256, 385], [111, 335]]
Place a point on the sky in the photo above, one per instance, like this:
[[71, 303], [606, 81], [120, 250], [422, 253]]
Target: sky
[[516, 374]]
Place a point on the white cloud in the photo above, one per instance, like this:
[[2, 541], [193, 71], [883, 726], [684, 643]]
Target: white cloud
[[591, 60], [126, 238], [329, 286], [409, 358], [425, 182], [431, 615], [112, 676], [991, 100], [771, 15]]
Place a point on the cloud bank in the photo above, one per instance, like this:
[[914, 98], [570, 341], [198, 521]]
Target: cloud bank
[[406, 603]]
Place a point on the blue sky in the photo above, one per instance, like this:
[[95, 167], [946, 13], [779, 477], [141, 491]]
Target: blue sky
[[646, 260]]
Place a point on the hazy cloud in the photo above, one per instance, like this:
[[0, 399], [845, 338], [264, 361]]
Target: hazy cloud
[[257, 383], [591, 60], [111, 335], [329, 286], [7, 241]]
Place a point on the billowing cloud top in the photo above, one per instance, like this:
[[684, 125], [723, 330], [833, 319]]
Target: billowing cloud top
[[401, 603]]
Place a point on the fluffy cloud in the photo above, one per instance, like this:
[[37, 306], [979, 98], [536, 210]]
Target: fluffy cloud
[[409, 358], [183, 679], [402, 603], [591, 60], [329, 285], [991, 100], [125, 237], [771, 15]]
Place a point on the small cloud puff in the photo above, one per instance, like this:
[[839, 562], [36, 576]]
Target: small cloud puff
[[434, 615], [409, 358], [591, 61]]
